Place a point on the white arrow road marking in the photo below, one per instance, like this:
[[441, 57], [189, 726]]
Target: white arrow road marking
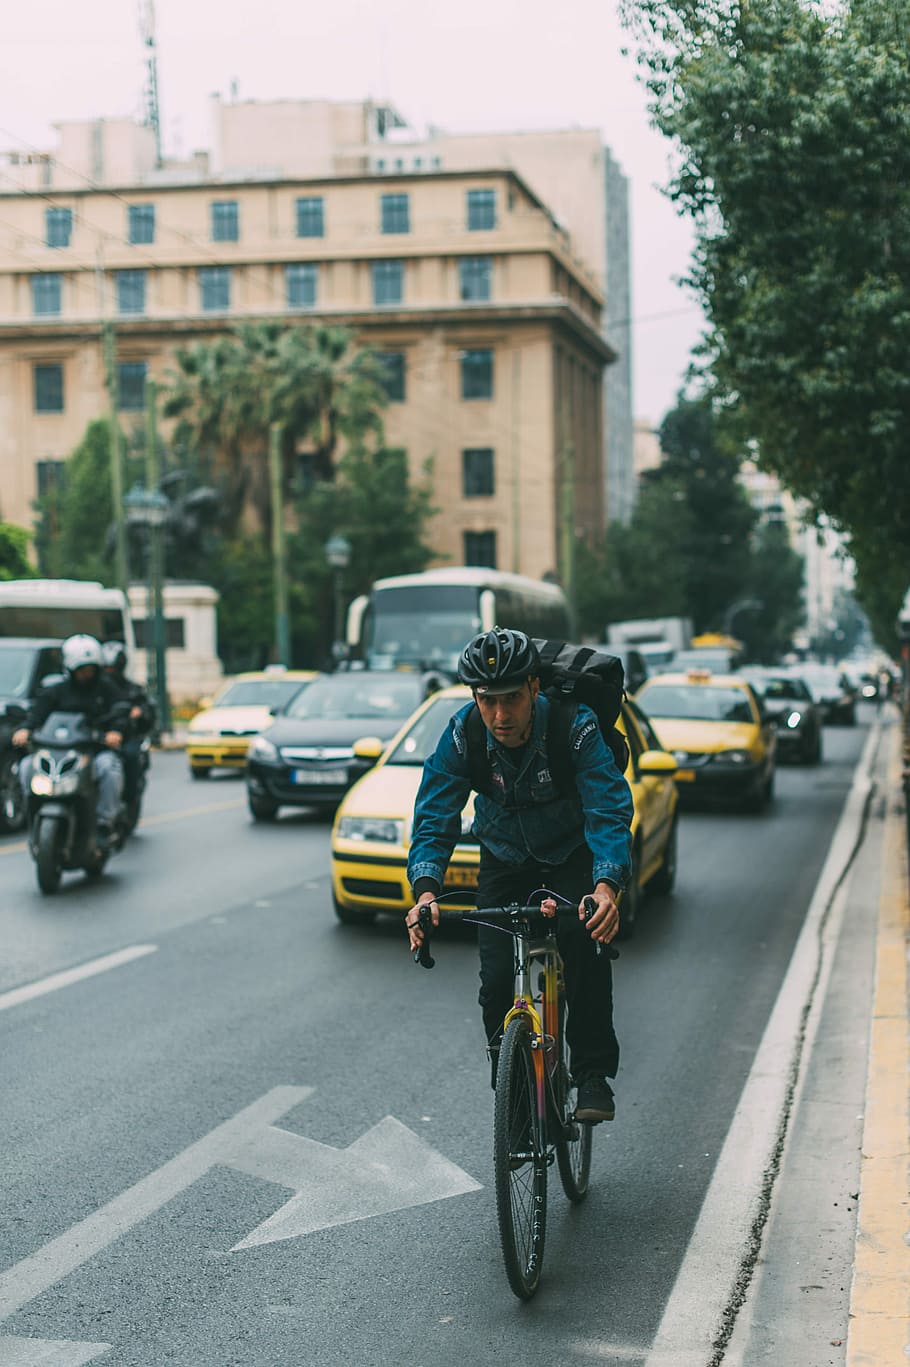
[[48, 1352], [388, 1168]]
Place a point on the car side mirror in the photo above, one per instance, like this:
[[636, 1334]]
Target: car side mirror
[[369, 748], [657, 762]]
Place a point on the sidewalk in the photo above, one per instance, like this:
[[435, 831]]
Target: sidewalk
[[830, 1285]]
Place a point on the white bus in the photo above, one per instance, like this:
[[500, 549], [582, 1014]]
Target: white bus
[[426, 619], [53, 609]]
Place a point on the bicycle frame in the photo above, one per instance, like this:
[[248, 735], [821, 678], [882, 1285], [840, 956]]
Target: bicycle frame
[[545, 1028]]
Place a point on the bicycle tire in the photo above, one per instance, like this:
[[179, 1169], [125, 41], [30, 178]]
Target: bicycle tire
[[519, 1163], [573, 1156]]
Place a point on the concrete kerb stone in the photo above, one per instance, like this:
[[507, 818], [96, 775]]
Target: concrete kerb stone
[[879, 1331]]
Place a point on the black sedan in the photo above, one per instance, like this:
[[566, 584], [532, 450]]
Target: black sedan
[[306, 758], [797, 718]]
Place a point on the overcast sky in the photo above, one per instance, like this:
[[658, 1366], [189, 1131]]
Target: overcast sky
[[474, 65]]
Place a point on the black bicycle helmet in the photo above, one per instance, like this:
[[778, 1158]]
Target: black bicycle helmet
[[498, 661]]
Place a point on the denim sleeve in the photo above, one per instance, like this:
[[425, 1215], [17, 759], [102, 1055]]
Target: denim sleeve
[[444, 790], [606, 799]]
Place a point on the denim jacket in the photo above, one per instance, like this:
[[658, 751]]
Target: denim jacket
[[530, 818]]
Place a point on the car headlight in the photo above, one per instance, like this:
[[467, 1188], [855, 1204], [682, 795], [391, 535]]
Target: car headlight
[[794, 720], [387, 829], [681, 756], [732, 757], [260, 748], [467, 821]]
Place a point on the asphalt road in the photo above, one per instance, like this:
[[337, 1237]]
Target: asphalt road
[[150, 1123]]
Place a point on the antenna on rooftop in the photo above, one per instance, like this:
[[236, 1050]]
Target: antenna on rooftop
[[152, 112]]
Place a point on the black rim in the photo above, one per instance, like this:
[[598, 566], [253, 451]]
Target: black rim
[[520, 1164]]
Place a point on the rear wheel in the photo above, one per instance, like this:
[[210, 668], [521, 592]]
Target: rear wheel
[[12, 799], [630, 902], [519, 1162], [573, 1156], [49, 854], [352, 916], [664, 879]]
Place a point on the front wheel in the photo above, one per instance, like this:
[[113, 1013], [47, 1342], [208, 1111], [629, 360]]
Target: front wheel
[[630, 902], [49, 854], [664, 879], [573, 1155], [519, 1162], [261, 809], [12, 798]]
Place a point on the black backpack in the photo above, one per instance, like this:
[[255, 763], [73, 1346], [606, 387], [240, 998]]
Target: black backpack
[[569, 675]]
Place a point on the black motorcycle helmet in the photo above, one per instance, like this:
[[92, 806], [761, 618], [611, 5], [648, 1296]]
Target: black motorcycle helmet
[[498, 661]]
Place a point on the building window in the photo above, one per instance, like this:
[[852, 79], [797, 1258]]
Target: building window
[[50, 477], [300, 281], [47, 291], [477, 472], [481, 210], [311, 216], [130, 291], [388, 282], [49, 387], [480, 549], [141, 224], [477, 374], [58, 227], [396, 214], [131, 385], [225, 220], [393, 380], [475, 277], [215, 288]]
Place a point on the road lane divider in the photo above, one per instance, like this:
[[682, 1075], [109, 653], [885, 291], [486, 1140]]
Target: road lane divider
[[17, 995]]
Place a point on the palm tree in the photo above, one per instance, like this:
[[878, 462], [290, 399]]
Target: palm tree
[[312, 380]]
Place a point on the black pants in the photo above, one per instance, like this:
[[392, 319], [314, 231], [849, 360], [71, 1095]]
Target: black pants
[[589, 979]]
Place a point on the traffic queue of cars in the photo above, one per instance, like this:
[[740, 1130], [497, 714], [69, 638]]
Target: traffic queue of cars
[[356, 741]]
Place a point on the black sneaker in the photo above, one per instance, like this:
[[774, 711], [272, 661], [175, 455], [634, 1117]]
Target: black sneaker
[[595, 1100]]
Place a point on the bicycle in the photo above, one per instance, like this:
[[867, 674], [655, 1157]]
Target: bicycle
[[534, 1110]]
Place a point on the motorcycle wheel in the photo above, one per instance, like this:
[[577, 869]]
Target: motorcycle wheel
[[12, 799], [48, 854]]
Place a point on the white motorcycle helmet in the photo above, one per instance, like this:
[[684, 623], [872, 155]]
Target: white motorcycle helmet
[[80, 650]]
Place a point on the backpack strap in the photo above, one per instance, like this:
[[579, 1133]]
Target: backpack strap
[[559, 754], [479, 766]]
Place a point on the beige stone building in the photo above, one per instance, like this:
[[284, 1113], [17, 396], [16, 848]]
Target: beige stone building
[[488, 310]]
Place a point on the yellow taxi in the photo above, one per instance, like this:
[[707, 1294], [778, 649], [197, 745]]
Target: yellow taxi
[[219, 736], [723, 743], [372, 831]]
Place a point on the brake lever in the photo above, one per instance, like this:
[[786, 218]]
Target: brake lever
[[590, 909]]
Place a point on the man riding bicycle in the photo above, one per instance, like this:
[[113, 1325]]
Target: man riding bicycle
[[531, 835]]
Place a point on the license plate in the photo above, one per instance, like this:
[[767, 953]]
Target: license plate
[[462, 878], [308, 776], [685, 775]]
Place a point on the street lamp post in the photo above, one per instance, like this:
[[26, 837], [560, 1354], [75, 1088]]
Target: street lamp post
[[149, 508], [338, 554]]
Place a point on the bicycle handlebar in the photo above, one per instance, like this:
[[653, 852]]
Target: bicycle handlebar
[[507, 917]]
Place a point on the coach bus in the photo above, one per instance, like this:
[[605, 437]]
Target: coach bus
[[56, 608], [425, 619]]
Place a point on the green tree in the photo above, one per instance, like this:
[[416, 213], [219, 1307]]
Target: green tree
[[14, 561], [775, 582], [791, 121], [311, 379]]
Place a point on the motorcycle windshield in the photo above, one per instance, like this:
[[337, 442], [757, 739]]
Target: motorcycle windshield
[[65, 729]]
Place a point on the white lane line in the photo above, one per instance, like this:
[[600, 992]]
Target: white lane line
[[73, 975], [707, 1278]]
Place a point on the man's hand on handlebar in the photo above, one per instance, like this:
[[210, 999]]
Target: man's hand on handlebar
[[415, 934], [604, 924]]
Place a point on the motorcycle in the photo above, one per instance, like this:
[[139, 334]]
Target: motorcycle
[[62, 801]]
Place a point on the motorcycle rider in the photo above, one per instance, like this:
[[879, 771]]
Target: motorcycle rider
[[84, 689], [142, 714]]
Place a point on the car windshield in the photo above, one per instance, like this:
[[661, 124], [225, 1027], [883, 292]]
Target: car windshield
[[696, 702], [359, 695], [785, 689], [273, 693], [420, 740], [15, 670]]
